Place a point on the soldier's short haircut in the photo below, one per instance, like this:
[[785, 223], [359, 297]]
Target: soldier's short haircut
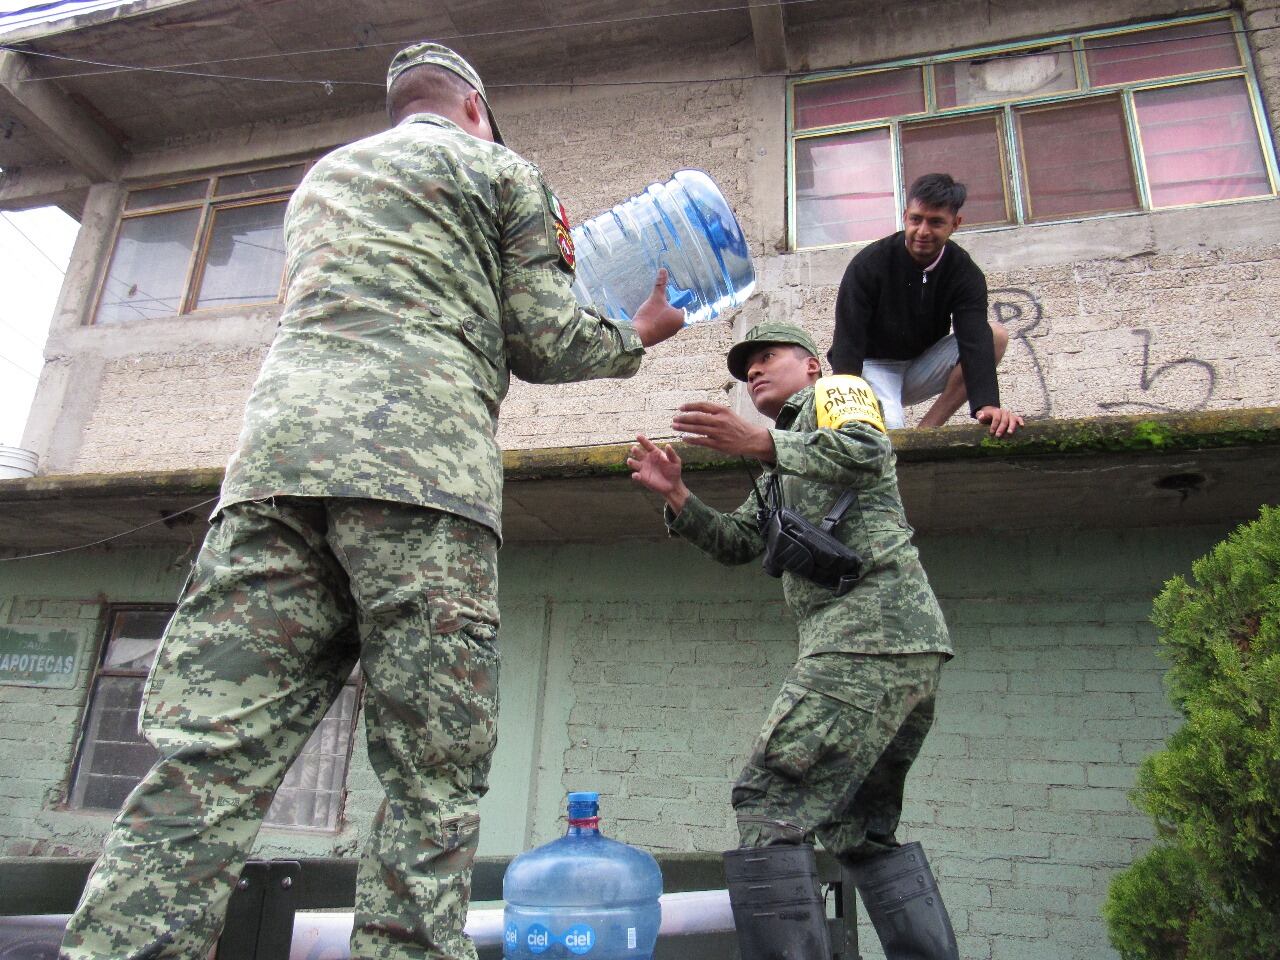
[[938, 190], [428, 84]]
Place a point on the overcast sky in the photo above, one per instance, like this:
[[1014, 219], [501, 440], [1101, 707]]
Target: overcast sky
[[31, 269]]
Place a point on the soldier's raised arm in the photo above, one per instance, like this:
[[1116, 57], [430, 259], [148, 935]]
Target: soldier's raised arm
[[549, 337]]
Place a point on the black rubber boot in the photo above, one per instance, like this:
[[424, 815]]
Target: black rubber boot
[[904, 905], [777, 903]]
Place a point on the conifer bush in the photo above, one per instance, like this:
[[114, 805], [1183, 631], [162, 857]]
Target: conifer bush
[[1210, 889]]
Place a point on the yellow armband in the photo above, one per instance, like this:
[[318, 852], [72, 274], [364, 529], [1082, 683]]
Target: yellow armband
[[843, 398]]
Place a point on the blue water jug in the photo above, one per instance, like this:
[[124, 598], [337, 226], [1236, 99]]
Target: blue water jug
[[684, 225], [583, 895]]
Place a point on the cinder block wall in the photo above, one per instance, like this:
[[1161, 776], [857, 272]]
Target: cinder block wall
[[1144, 312], [1020, 794], [645, 671]]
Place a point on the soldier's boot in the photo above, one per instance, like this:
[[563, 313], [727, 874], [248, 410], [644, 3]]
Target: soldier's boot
[[777, 903], [904, 905]]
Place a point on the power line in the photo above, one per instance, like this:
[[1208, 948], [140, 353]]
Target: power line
[[37, 246], [478, 35], [14, 327], [17, 366], [114, 536], [176, 69]]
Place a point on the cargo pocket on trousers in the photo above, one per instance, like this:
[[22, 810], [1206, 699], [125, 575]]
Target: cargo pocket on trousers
[[465, 680], [797, 732]]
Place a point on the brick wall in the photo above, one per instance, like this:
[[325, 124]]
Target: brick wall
[[1020, 793], [168, 411], [39, 728], [1118, 315], [645, 671], [1142, 333]]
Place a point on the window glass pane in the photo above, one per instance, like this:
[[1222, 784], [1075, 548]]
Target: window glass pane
[[113, 757], [844, 188], [1076, 159], [174, 193], [311, 794], [260, 180], [149, 267], [1163, 52], [870, 96], [970, 149], [245, 261], [1200, 143], [1005, 76], [135, 635]]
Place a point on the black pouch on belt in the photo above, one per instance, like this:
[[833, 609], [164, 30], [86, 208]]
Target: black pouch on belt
[[794, 544]]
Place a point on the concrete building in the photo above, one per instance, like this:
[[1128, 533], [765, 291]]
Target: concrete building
[[1122, 163]]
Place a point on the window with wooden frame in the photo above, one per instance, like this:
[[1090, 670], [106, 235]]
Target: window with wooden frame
[[1091, 124], [217, 241], [113, 757]]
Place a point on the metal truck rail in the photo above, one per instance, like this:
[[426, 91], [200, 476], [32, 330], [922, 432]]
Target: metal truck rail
[[301, 909]]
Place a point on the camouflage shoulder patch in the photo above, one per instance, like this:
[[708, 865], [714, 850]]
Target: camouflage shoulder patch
[[844, 398], [558, 229]]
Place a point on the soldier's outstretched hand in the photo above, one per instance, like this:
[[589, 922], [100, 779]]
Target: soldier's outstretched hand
[[658, 469], [657, 320]]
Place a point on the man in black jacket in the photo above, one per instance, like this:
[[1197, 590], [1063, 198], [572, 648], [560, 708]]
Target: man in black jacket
[[900, 301]]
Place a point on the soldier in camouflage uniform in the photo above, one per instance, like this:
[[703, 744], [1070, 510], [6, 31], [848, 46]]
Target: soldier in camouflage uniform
[[359, 523], [854, 710]]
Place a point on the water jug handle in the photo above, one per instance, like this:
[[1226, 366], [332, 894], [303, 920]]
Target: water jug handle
[[679, 296]]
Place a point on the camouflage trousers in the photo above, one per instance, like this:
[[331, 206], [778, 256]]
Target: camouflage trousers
[[834, 753], [286, 597]]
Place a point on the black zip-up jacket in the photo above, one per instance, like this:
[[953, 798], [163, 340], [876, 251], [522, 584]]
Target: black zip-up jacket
[[888, 308]]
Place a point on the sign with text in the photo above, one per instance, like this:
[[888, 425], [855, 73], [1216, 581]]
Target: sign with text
[[39, 656]]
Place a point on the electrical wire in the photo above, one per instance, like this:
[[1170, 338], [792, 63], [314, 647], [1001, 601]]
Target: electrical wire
[[18, 366], [15, 329], [478, 35], [114, 536], [22, 233], [177, 68]]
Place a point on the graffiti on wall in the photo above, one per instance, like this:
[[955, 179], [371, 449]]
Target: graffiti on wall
[[1020, 312], [1191, 379]]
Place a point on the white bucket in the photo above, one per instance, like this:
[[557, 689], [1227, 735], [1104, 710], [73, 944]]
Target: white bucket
[[16, 463]]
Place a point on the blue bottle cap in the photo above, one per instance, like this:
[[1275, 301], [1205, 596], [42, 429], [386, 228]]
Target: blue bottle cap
[[584, 808]]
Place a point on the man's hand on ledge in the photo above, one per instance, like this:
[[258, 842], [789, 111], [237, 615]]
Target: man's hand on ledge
[[1002, 422]]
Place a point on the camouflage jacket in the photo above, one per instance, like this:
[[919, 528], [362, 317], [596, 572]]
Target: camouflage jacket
[[892, 609], [423, 270]]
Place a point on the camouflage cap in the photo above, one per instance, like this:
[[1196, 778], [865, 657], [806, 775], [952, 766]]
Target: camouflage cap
[[761, 335], [428, 54]]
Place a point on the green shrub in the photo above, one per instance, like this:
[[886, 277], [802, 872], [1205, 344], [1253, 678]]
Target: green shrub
[[1152, 904], [1214, 792]]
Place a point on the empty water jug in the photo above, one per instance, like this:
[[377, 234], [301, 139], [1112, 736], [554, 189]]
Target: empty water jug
[[685, 225], [582, 895]]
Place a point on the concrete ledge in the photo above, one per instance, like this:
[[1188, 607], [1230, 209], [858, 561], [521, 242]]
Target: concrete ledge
[[1132, 471]]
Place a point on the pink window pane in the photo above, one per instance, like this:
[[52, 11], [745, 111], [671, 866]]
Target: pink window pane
[[1200, 143], [844, 188], [871, 96], [969, 149], [1163, 52], [1076, 159]]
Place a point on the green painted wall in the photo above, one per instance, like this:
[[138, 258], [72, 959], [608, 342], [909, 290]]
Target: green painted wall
[[644, 671]]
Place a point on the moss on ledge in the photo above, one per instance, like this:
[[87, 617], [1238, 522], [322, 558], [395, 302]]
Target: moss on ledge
[[1098, 437], [1095, 436]]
